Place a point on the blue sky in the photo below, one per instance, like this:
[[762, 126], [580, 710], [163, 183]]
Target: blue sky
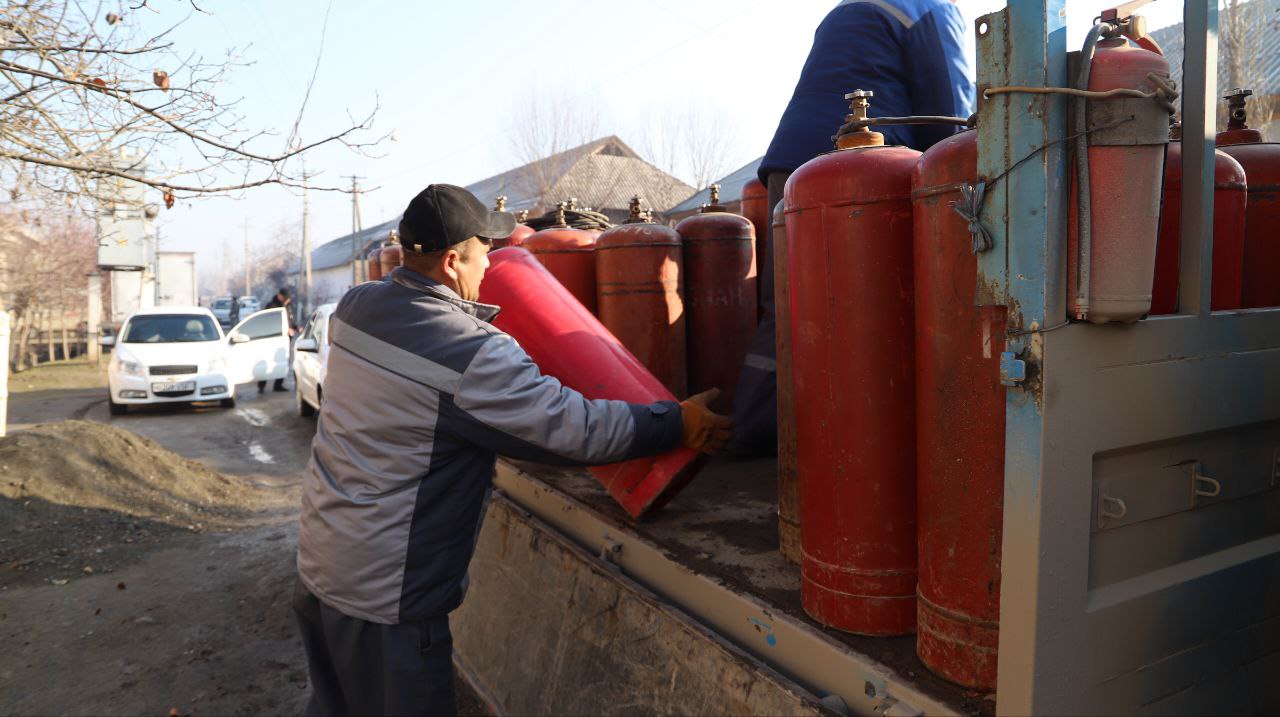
[[450, 77]]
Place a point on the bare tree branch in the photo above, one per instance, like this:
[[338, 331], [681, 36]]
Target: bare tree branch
[[73, 105]]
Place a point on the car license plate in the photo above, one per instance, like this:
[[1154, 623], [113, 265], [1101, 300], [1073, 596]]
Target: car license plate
[[173, 386]]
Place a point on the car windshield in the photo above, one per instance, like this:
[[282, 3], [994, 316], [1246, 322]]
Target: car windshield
[[170, 328], [222, 303]]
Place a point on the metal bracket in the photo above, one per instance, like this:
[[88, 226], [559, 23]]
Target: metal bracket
[[1202, 486], [1111, 507], [1013, 370]]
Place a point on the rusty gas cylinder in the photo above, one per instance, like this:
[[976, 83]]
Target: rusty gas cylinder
[[788, 491], [1229, 196], [848, 216], [720, 297], [639, 295], [374, 264], [1125, 164], [392, 254], [568, 255], [1261, 163], [755, 207], [960, 408]]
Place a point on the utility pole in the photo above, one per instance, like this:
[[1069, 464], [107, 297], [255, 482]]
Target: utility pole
[[305, 305], [355, 229], [246, 257]]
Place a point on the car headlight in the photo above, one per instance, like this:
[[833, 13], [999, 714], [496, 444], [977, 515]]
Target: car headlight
[[218, 364], [129, 365]]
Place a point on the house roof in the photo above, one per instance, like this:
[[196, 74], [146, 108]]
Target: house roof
[[602, 174], [1263, 77], [730, 188]]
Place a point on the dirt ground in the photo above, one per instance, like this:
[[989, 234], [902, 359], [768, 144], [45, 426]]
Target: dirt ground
[[146, 560]]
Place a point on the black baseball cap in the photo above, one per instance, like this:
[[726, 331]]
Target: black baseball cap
[[443, 215]]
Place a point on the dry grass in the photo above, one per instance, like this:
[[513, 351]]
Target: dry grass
[[60, 376]]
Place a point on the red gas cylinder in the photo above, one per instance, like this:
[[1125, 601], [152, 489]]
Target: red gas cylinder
[[392, 255], [639, 295], [1229, 196], [1261, 163], [788, 490], [755, 207], [522, 232], [568, 255], [720, 297], [848, 216], [374, 264], [567, 342], [960, 407], [1125, 165]]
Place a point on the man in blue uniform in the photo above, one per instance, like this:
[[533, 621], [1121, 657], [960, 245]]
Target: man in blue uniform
[[910, 53]]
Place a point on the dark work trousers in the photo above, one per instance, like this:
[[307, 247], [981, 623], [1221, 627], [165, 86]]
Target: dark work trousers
[[359, 667], [755, 400]]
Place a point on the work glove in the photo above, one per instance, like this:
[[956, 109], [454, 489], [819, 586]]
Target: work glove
[[703, 430]]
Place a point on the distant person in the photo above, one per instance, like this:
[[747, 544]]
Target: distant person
[[233, 315], [910, 54], [281, 300]]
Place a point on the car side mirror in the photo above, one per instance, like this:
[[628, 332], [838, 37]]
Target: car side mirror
[[239, 338], [106, 341], [307, 344]]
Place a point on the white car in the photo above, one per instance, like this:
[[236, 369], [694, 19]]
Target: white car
[[249, 305], [177, 354], [222, 310], [310, 356]]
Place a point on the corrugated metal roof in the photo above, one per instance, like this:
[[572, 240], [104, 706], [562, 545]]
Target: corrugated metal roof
[[1263, 65], [730, 188]]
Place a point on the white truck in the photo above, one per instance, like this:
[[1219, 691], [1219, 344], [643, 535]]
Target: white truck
[[176, 278]]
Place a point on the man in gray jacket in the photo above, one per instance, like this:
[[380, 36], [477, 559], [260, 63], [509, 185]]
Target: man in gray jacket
[[422, 393]]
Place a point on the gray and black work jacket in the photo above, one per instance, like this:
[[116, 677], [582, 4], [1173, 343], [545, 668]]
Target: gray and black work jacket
[[421, 394]]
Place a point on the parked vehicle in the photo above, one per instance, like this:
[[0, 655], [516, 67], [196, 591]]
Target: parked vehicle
[[180, 354], [310, 356], [249, 305], [175, 278], [221, 309]]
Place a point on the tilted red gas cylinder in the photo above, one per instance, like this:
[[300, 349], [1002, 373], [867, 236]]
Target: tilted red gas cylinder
[[391, 256], [567, 342], [522, 232], [788, 490], [1125, 161], [568, 255], [848, 216], [720, 297], [960, 408], [755, 207], [1261, 163], [1228, 234], [374, 264], [639, 296]]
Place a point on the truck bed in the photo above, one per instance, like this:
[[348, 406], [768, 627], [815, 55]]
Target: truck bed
[[724, 525]]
